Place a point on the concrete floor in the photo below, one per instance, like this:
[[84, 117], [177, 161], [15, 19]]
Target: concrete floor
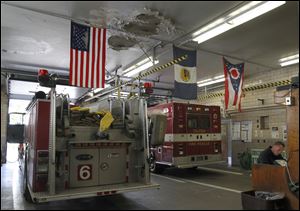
[[180, 189]]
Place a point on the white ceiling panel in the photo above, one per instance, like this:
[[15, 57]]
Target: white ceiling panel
[[39, 35]]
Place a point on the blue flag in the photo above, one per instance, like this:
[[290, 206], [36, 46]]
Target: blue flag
[[185, 74]]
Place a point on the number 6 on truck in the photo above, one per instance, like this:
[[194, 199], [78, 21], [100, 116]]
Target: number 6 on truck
[[84, 172]]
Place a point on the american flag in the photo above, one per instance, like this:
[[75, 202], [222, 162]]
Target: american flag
[[87, 56], [234, 78]]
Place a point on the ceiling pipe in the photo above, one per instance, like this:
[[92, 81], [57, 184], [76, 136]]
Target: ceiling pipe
[[148, 80], [256, 108], [29, 73], [30, 76], [34, 67], [159, 68]]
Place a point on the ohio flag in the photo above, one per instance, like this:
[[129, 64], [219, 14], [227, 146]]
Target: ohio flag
[[234, 78], [185, 74]]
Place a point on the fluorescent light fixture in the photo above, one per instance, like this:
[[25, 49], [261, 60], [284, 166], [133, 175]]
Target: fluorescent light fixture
[[296, 56], [205, 80], [244, 8], [140, 66], [213, 32], [219, 76], [210, 81], [234, 19], [256, 11], [209, 26], [294, 61]]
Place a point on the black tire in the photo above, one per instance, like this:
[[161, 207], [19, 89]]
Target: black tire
[[25, 189], [27, 195], [160, 169], [193, 168], [154, 167]]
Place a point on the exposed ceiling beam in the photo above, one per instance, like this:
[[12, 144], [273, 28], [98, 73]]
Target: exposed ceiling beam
[[30, 76]]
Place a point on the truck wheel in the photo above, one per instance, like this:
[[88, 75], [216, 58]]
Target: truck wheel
[[154, 167], [193, 168], [25, 190], [160, 169], [27, 196]]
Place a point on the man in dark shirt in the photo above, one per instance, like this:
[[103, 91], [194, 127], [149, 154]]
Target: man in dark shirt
[[272, 153]]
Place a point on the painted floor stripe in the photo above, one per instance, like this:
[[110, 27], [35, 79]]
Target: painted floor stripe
[[213, 186], [219, 170], [169, 178]]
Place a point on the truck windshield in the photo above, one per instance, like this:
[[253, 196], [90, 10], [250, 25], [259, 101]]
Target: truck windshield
[[198, 121], [204, 121]]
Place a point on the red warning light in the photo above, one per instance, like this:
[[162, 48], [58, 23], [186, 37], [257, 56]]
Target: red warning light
[[43, 72]]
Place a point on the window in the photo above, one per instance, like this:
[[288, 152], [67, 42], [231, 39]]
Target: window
[[16, 119], [201, 121], [18, 106], [204, 121], [264, 122], [192, 122]]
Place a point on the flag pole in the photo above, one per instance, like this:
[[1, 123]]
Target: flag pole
[[150, 72]]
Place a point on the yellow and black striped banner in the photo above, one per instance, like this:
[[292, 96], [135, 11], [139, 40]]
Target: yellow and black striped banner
[[252, 88], [211, 95], [267, 85], [154, 70]]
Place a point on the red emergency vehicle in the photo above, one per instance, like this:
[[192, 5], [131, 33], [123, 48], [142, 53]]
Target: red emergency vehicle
[[192, 138]]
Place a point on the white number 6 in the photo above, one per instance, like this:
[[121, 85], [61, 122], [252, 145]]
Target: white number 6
[[85, 172]]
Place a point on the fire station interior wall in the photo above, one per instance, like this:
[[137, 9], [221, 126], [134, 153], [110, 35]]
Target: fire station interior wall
[[254, 110], [4, 116]]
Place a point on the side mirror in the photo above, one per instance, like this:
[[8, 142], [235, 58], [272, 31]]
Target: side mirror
[[157, 130]]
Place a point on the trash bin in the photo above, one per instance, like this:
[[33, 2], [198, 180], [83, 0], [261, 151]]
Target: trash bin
[[251, 202]]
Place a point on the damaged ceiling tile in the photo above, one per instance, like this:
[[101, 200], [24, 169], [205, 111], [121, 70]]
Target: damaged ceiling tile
[[151, 19], [141, 29], [121, 43], [148, 23]]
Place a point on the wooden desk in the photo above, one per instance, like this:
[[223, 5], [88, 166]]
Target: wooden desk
[[293, 136], [274, 179]]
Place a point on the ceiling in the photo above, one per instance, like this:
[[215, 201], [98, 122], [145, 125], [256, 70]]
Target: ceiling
[[37, 34], [25, 90]]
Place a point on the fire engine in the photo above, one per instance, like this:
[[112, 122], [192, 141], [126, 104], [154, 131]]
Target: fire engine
[[192, 138], [66, 160]]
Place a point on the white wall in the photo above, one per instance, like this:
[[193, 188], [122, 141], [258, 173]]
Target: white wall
[[4, 111], [277, 115]]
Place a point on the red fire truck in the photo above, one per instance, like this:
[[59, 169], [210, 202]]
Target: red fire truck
[[68, 156], [192, 138], [84, 166]]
